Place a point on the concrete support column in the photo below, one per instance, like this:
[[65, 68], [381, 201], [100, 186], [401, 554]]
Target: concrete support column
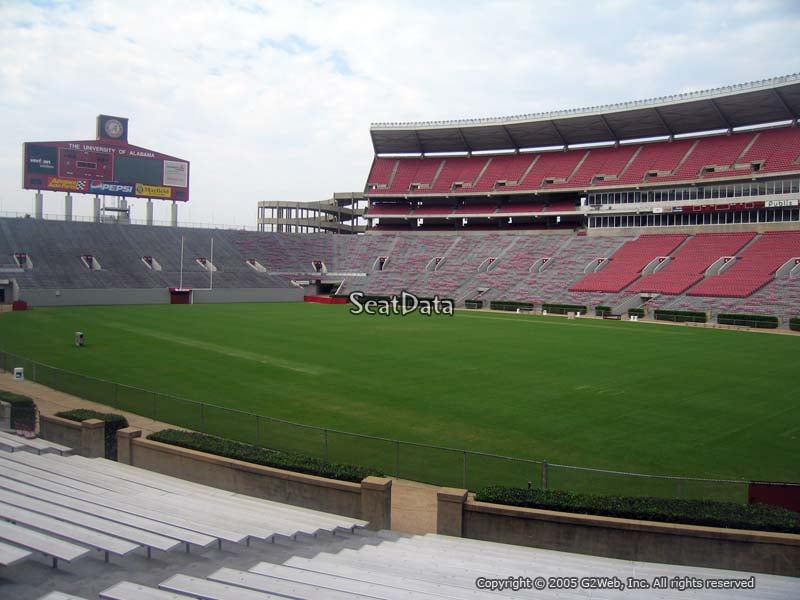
[[450, 511], [174, 217], [376, 502], [68, 207], [149, 211], [125, 439], [93, 442], [38, 206], [96, 211], [124, 216]]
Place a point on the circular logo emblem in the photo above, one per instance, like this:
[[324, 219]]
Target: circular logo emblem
[[114, 128]]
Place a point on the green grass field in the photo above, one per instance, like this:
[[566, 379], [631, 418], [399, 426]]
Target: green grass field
[[659, 399]]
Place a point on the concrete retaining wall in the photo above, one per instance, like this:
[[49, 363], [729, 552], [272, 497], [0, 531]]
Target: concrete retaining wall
[[87, 438], [102, 296], [756, 551], [369, 500]]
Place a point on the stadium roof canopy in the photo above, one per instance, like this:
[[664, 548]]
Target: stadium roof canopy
[[754, 103]]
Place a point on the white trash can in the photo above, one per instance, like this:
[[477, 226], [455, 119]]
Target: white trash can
[[19, 373]]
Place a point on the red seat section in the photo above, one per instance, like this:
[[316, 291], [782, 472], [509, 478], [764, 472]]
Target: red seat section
[[712, 151], [754, 268], [419, 171], [456, 170], [689, 264], [502, 168], [774, 150], [381, 171], [662, 157], [627, 263], [551, 165], [778, 148], [600, 161]]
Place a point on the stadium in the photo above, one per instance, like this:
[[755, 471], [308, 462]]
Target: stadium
[[626, 283]]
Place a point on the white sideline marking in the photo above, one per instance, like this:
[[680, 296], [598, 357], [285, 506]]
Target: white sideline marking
[[264, 359]]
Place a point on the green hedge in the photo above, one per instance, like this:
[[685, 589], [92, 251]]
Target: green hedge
[[639, 312], [262, 456], [601, 310], [680, 316], [794, 323], [759, 517], [113, 422], [562, 309], [475, 304], [759, 321], [431, 299], [510, 305], [23, 410]]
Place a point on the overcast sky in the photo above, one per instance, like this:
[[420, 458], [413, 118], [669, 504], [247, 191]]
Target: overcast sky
[[273, 100]]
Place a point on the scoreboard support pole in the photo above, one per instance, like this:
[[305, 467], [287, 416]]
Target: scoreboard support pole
[[124, 215], [174, 214], [149, 211], [68, 207], [38, 206], [97, 209]]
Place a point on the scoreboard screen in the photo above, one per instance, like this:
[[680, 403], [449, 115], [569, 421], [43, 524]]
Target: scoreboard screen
[[104, 168], [141, 170]]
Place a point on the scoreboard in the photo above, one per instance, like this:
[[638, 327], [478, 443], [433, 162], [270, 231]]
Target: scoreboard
[[107, 166]]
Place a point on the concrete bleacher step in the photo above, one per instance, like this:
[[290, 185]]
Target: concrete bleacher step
[[61, 596], [230, 525], [284, 587], [10, 554], [35, 445], [300, 518], [342, 583], [320, 520], [138, 536], [130, 512], [213, 590], [441, 584], [39, 542], [125, 590], [73, 533]]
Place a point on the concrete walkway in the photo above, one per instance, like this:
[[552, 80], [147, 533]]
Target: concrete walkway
[[413, 504]]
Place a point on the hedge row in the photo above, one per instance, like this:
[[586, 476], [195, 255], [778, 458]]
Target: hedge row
[[23, 410], [562, 309], [601, 310], [473, 303], [759, 321], [510, 305], [759, 517], [680, 316], [794, 323], [261, 456], [113, 422]]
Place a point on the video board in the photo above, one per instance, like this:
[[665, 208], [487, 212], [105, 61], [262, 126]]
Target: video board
[[105, 168]]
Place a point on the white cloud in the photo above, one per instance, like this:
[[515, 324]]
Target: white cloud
[[273, 101]]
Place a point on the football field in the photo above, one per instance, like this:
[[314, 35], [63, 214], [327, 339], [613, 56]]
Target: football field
[[646, 398]]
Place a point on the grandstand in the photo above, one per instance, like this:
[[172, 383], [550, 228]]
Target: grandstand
[[685, 203]]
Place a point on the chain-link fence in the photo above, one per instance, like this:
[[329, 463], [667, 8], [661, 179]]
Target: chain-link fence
[[408, 460]]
